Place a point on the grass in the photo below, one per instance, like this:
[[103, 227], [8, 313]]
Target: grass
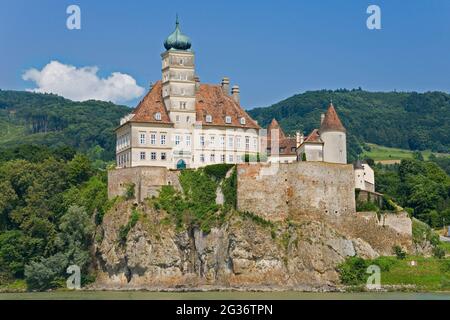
[[427, 274], [18, 285], [380, 153]]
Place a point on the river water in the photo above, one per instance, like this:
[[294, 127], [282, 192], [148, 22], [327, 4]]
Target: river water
[[290, 295]]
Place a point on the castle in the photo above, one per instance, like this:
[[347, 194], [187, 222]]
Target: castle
[[182, 123]]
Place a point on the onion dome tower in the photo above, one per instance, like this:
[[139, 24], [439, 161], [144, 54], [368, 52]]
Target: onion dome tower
[[177, 40]]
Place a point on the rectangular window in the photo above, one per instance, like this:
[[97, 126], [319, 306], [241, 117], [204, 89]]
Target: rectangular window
[[153, 156], [212, 140], [255, 144], [142, 155], [247, 143], [163, 156], [152, 138], [222, 158], [222, 141], [163, 138], [230, 142], [202, 157], [177, 140], [188, 140], [142, 138], [202, 141], [230, 158], [238, 142], [212, 158]]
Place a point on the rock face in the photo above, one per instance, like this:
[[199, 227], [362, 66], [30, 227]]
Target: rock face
[[241, 254]]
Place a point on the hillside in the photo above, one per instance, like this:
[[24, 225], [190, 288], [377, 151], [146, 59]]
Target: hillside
[[410, 121], [30, 118], [415, 121]]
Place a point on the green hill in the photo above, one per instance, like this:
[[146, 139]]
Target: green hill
[[414, 121], [410, 121], [30, 118]]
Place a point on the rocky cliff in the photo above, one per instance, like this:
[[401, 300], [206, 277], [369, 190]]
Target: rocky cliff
[[244, 252]]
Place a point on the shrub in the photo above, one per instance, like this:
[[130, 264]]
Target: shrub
[[366, 206], [445, 265], [229, 189], [399, 252], [124, 230], [129, 191], [353, 271], [218, 171], [438, 252]]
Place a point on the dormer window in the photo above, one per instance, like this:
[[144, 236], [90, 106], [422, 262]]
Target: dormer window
[[243, 121], [227, 119], [158, 116], [209, 118]]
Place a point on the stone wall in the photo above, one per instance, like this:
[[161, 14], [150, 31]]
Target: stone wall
[[372, 196], [147, 181], [296, 190]]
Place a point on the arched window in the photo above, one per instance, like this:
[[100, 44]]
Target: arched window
[[158, 116], [242, 120], [209, 118]]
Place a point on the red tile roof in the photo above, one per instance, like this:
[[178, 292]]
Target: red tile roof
[[331, 122], [151, 104], [287, 145], [313, 137], [210, 100]]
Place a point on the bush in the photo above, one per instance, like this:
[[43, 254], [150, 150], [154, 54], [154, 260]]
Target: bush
[[218, 171], [438, 252], [366, 206], [353, 271], [129, 191], [229, 189], [124, 230], [399, 252]]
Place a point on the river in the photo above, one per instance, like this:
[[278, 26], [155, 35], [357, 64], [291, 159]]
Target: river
[[290, 295]]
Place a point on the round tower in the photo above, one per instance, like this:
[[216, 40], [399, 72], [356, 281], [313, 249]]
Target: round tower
[[334, 137]]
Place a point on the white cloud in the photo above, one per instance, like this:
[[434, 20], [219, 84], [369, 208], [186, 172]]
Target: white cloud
[[83, 83]]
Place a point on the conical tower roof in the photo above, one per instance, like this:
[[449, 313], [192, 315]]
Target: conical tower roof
[[331, 122], [273, 126]]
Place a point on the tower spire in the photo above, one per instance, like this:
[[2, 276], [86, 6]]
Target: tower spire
[[177, 22]]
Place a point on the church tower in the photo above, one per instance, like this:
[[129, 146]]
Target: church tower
[[334, 137], [178, 78]]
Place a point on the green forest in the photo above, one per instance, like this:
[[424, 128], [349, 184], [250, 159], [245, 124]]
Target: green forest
[[415, 121], [47, 119]]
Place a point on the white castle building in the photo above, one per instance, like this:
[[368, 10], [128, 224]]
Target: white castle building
[[182, 123]]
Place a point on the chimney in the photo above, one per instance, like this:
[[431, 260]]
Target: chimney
[[235, 93], [322, 117], [226, 85], [197, 83]]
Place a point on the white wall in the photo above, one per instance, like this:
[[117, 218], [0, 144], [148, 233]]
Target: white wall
[[335, 147]]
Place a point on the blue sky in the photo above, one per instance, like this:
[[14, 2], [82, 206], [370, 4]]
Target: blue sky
[[272, 49]]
